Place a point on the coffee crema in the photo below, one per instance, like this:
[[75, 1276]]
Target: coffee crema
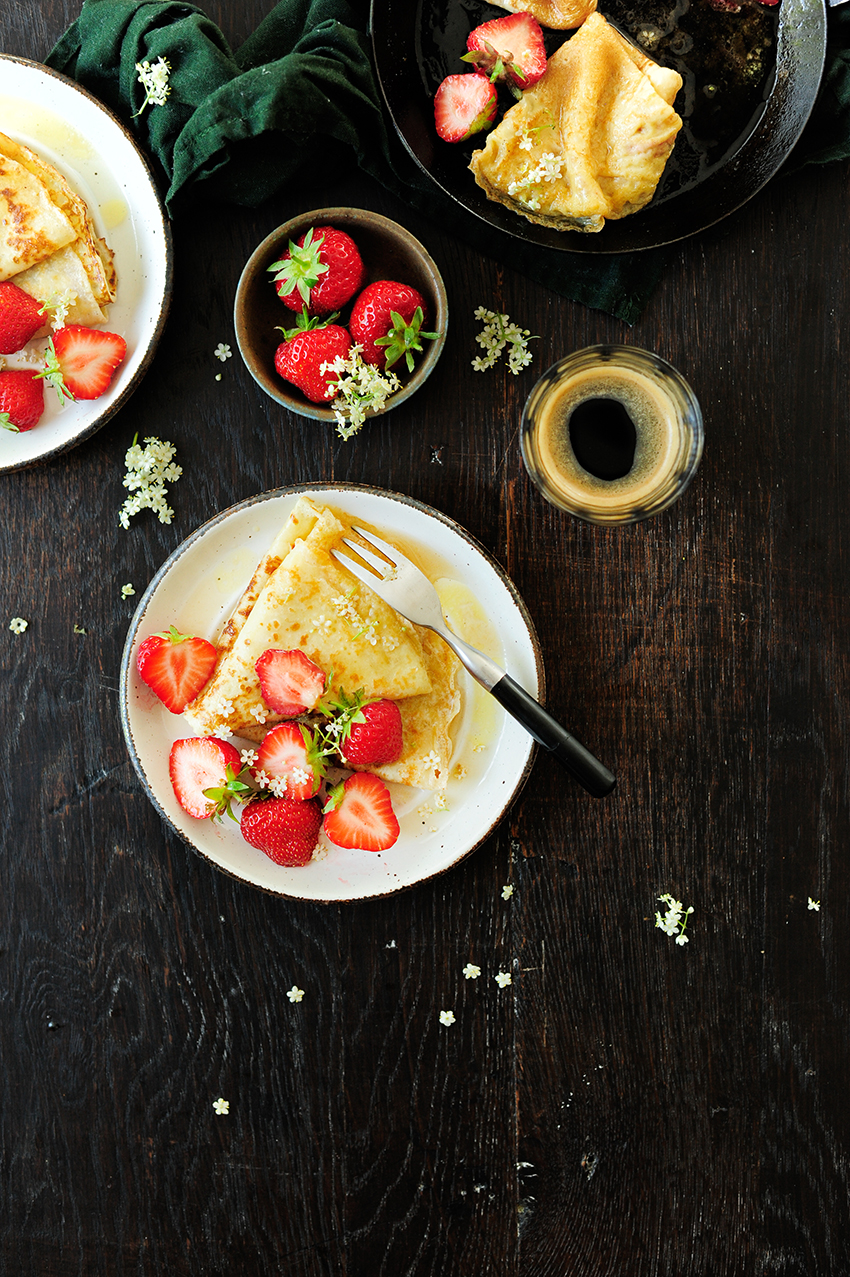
[[612, 434]]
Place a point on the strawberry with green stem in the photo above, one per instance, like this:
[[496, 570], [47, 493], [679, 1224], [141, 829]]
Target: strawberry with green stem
[[175, 666], [386, 323], [322, 271], [81, 361], [21, 399], [305, 349], [508, 50]]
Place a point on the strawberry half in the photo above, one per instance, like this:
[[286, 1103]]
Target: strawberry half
[[287, 831], [322, 271], [300, 356], [288, 754], [206, 776], [375, 736], [464, 105], [508, 49], [21, 399], [176, 666], [359, 813], [386, 323], [81, 361], [21, 316], [289, 681]]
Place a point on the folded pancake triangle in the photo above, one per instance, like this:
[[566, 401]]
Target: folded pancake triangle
[[590, 140], [301, 597]]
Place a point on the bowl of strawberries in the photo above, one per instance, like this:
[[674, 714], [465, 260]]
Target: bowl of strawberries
[[340, 314]]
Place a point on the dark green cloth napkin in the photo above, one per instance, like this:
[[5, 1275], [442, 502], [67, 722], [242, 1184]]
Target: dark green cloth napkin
[[299, 96]]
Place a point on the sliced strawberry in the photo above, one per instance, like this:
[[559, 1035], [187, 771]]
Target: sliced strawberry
[[509, 49], [21, 316], [206, 776], [375, 737], [289, 681], [176, 666], [21, 399], [359, 813], [288, 754], [287, 831], [85, 360], [464, 105]]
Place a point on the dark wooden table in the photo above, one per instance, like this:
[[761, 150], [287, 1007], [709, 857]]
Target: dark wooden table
[[626, 1107]]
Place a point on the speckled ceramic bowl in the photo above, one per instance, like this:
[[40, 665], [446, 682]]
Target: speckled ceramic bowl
[[388, 252]]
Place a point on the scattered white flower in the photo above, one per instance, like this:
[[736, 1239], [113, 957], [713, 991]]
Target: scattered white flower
[[79, 629], [499, 332], [223, 351], [814, 904], [127, 590], [471, 971], [295, 994], [154, 81], [222, 1107], [675, 920], [447, 1017], [360, 387], [248, 757], [503, 978], [507, 891], [17, 624], [148, 471], [218, 376]]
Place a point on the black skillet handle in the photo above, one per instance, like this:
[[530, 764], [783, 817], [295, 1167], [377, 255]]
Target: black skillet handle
[[549, 733]]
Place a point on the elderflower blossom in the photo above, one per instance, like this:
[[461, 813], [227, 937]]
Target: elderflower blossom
[[499, 332], [154, 81], [148, 471], [295, 994], [675, 920], [507, 891], [127, 591], [17, 624], [223, 351], [471, 971], [447, 1017], [360, 388], [503, 979], [221, 1107], [814, 904]]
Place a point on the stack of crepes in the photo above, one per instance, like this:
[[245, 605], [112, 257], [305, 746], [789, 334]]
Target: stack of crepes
[[590, 140], [48, 244], [301, 597]]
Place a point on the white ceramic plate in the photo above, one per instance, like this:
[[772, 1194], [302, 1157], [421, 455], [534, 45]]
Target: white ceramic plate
[[197, 588], [70, 129]]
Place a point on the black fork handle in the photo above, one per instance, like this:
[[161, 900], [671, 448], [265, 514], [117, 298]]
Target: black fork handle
[[548, 732]]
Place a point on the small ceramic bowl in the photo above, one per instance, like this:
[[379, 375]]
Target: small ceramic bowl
[[388, 252]]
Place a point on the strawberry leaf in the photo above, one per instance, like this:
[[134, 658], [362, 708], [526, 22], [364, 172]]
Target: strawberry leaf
[[53, 373]]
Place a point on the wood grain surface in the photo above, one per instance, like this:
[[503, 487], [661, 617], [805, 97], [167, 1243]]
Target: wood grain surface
[[626, 1107]]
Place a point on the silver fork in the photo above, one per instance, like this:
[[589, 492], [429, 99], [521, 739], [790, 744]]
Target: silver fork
[[408, 591]]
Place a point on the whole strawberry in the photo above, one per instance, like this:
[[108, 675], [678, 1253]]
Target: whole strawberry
[[386, 323], [285, 829], [21, 399], [374, 736], [299, 358], [322, 271], [21, 316]]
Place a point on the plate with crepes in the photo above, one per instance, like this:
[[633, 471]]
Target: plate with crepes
[[750, 79], [197, 590], [74, 134]]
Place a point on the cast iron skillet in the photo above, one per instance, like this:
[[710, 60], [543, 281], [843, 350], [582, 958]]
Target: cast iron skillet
[[738, 127]]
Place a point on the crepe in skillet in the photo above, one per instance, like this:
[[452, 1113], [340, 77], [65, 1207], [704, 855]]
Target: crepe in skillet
[[590, 140], [560, 15]]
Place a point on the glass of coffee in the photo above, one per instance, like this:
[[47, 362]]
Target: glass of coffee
[[612, 434]]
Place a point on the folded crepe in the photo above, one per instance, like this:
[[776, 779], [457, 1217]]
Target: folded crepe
[[301, 597], [33, 226], [49, 243], [590, 140], [560, 15]]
